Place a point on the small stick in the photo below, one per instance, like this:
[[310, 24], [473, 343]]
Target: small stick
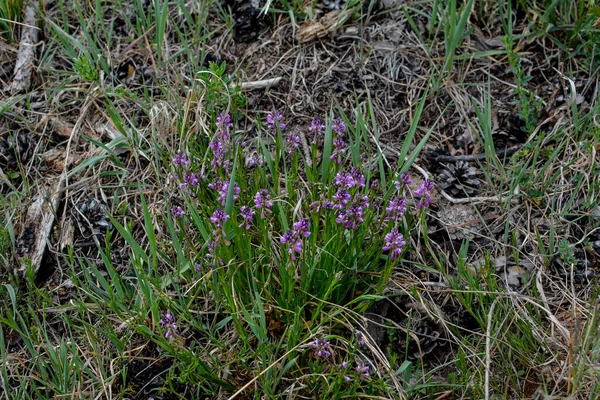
[[264, 84], [26, 55]]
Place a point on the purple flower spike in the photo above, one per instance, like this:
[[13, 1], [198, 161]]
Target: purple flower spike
[[273, 118], [190, 179], [424, 202], [262, 202], [406, 179], [318, 129], [177, 212], [219, 217], [394, 242], [246, 213], [293, 237], [358, 334], [180, 160], [395, 209], [168, 323], [363, 370], [424, 188], [321, 348], [338, 127], [224, 122]]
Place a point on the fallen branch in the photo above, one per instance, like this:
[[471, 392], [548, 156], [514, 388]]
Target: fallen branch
[[26, 55], [38, 225], [264, 84]]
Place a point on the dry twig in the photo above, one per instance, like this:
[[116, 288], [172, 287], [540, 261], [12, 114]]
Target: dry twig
[[25, 57]]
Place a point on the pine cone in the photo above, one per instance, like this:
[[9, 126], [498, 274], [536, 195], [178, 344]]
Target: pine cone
[[584, 270], [26, 241], [428, 334], [460, 179], [92, 216], [16, 147]]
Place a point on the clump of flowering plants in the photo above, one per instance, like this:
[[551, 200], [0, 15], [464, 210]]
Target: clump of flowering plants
[[329, 225], [289, 234]]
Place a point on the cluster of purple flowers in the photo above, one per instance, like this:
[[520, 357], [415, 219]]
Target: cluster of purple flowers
[[338, 129], [349, 205], [220, 143], [263, 202], [293, 237], [424, 192], [394, 243], [190, 179], [321, 348], [359, 337], [168, 323], [395, 209], [275, 119], [362, 370], [221, 186], [180, 160], [292, 140], [255, 160], [318, 130], [219, 218], [404, 180], [246, 213], [177, 212]]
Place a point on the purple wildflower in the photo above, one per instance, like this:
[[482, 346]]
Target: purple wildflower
[[177, 212], [341, 199], [293, 237], [344, 364], [224, 122], [405, 179], [219, 217], [424, 202], [424, 188], [168, 322], [293, 142], [338, 127], [190, 179], [339, 147], [246, 213], [321, 348], [358, 335], [180, 160], [255, 160], [350, 179], [211, 247], [363, 370], [273, 118], [262, 202], [394, 242], [347, 378], [351, 214], [318, 129], [222, 188], [395, 209], [302, 228]]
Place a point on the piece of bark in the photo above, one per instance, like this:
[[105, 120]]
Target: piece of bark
[[323, 27], [264, 84], [38, 226], [27, 47]]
